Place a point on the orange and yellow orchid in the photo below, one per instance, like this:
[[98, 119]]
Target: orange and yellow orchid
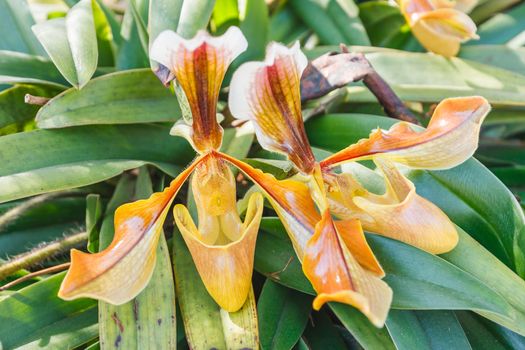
[[440, 25], [336, 258], [335, 255], [222, 246]]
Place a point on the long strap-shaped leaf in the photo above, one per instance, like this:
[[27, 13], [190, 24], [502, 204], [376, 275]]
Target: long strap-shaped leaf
[[147, 321]]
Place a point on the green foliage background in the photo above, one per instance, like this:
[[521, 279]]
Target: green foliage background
[[87, 151]]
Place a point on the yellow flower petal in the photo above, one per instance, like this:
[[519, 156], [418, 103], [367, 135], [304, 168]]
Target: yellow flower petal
[[120, 272], [400, 213], [351, 232], [337, 276], [455, 126], [438, 26], [268, 94], [226, 270], [442, 31], [199, 64]]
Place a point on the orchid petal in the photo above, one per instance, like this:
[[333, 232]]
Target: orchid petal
[[291, 200], [120, 272], [351, 232], [455, 126], [268, 94], [199, 65], [337, 276], [438, 26], [400, 213], [442, 31], [226, 270]]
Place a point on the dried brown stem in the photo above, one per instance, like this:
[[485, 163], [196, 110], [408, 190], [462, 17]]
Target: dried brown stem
[[52, 269], [36, 100], [335, 70], [393, 106]]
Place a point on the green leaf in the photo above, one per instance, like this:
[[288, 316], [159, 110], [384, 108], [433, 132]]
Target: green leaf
[[149, 320], [207, 326], [384, 23], [369, 336], [487, 8], [141, 22], [15, 24], [225, 13], [131, 53], [501, 152], [335, 21], [283, 314], [35, 315], [103, 28], [194, 16], [321, 333], [49, 160], [93, 219], [471, 257], [493, 217], [431, 78], [16, 68], [276, 259], [426, 330], [424, 281], [43, 223], [71, 42], [163, 15], [500, 56], [237, 141], [282, 23], [134, 96], [486, 335], [111, 20], [502, 27], [254, 26]]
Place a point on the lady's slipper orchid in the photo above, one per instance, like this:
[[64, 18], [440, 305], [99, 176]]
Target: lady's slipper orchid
[[221, 245], [437, 25], [336, 258]]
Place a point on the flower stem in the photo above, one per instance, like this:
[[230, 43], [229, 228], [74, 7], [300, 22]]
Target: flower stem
[[40, 254], [393, 106], [52, 269]]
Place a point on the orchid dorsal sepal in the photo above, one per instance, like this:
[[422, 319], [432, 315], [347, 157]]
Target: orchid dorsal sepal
[[268, 94], [455, 124], [199, 66]]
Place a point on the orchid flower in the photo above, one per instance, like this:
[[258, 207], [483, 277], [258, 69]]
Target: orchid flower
[[336, 257], [222, 246], [439, 25]]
